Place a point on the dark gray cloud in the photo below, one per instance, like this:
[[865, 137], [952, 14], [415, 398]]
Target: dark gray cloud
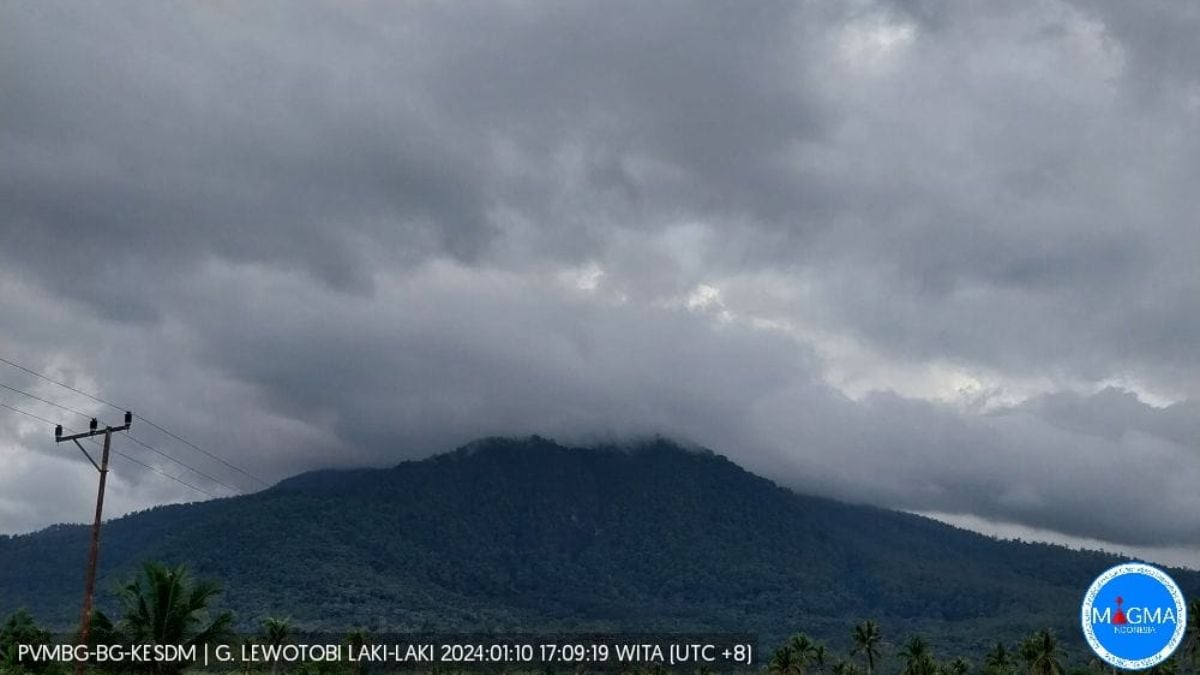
[[934, 256]]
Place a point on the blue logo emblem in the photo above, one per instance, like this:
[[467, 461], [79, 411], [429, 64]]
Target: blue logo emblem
[[1134, 616]]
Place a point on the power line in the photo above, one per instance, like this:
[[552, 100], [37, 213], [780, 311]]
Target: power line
[[97, 399], [164, 473], [193, 469], [203, 451], [151, 423], [131, 437], [47, 401], [117, 452], [89, 585], [102, 468], [26, 412]]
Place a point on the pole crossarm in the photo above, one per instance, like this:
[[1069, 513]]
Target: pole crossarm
[[89, 434], [94, 431]]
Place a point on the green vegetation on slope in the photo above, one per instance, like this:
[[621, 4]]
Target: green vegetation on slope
[[524, 535]]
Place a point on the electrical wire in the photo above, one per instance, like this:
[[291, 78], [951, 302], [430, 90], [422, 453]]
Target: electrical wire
[[131, 437], [97, 399], [164, 473], [115, 451], [116, 407], [46, 401], [193, 469], [203, 451]]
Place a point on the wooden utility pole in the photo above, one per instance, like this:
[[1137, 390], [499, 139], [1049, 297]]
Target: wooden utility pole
[[89, 582]]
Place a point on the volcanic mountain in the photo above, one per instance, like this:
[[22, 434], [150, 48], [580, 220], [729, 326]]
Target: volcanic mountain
[[527, 534]]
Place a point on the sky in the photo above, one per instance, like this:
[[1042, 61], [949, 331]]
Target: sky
[[933, 255]]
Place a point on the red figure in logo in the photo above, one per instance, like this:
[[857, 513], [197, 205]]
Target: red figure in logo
[[1119, 617]]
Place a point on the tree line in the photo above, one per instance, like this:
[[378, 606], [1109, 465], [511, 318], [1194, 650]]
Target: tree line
[[165, 605], [1041, 653]]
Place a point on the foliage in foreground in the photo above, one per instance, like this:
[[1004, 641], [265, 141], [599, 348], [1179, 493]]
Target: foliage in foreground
[[165, 605], [1041, 653]]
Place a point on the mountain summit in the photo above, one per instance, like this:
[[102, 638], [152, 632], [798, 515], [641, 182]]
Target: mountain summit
[[527, 534]]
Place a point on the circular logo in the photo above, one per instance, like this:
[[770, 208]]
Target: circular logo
[[1134, 616]]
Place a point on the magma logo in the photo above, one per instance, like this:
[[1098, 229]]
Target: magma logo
[[1134, 616]]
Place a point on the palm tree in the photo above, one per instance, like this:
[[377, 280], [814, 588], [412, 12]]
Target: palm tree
[[786, 662], [998, 661], [1168, 667], [845, 668], [1192, 647], [276, 633], [958, 666], [819, 656], [804, 647], [1042, 654], [918, 659], [165, 606], [866, 641], [356, 640]]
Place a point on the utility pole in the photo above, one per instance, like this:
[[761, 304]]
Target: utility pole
[[89, 583]]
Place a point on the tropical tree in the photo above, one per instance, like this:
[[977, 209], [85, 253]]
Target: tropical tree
[[1042, 654], [802, 651], [1095, 665], [1192, 646], [275, 632], [918, 658], [845, 668], [999, 661], [1168, 667], [804, 648], [866, 642], [165, 606], [819, 656], [21, 629], [958, 666], [356, 640], [786, 662]]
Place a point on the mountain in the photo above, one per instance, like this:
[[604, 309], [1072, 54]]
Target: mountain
[[522, 535]]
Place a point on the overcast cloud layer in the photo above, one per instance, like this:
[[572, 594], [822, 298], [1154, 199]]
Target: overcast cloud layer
[[936, 256]]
